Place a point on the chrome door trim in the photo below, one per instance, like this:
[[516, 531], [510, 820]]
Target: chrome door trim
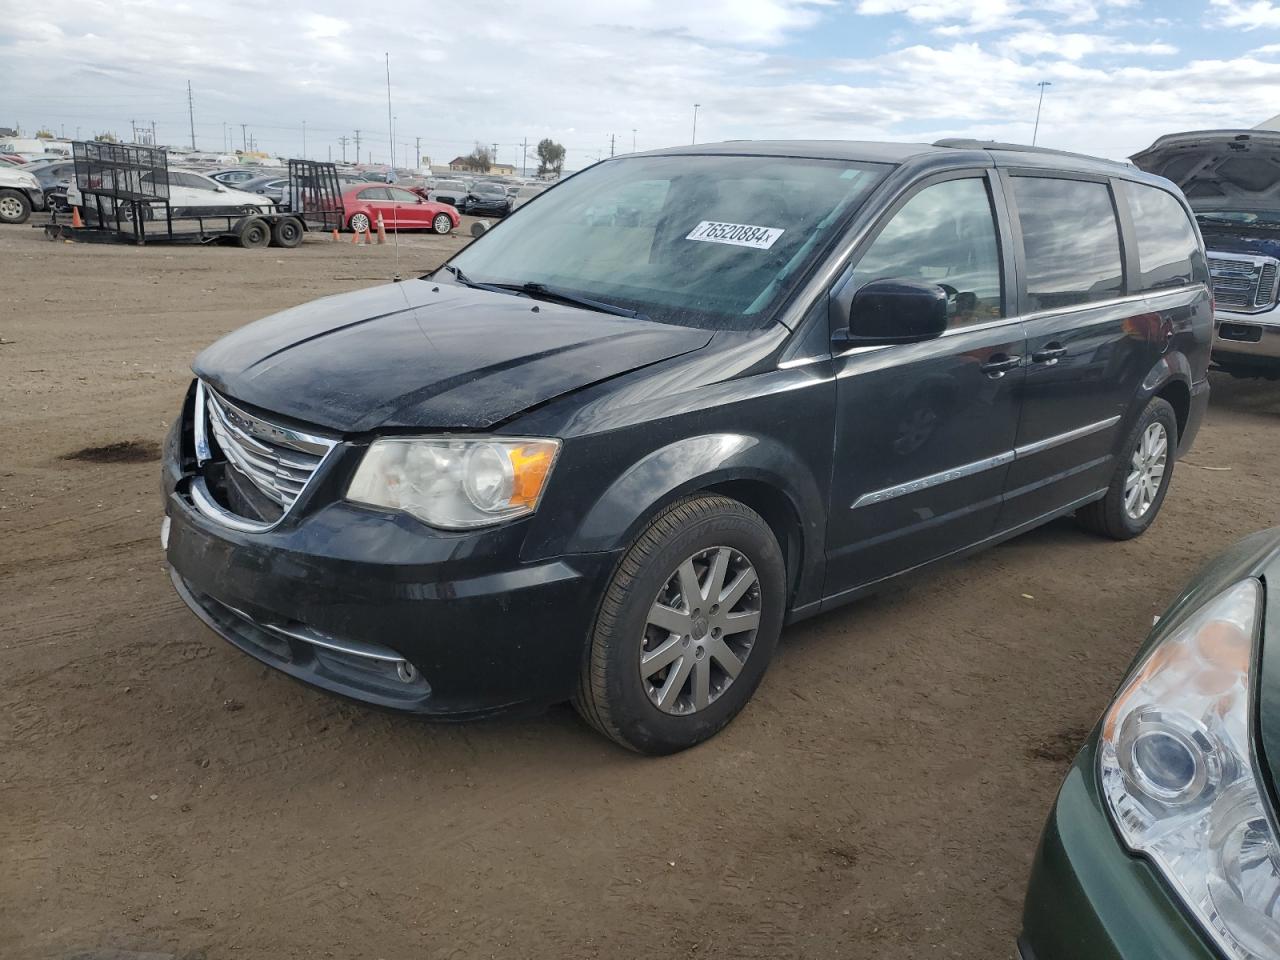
[[1048, 443], [933, 480], [978, 466]]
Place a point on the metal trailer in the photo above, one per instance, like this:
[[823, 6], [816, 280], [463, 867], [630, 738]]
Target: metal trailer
[[126, 193]]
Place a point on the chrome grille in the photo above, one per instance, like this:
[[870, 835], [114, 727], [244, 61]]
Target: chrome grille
[[1244, 284], [278, 461]]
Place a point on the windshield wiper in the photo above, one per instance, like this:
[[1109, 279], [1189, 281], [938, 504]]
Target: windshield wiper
[[466, 281], [541, 291]]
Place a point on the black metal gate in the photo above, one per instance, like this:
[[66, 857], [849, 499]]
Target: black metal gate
[[120, 184], [314, 194]]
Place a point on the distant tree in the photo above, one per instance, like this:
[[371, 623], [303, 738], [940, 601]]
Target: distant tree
[[44, 135], [550, 157], [480, 159], [107, 137]]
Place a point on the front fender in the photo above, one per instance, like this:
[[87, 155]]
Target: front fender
[[698, 463]]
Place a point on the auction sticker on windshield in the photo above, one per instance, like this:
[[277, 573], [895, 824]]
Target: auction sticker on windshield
[[737, 234]]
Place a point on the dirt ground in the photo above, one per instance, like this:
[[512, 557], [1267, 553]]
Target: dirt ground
[[162, 792]]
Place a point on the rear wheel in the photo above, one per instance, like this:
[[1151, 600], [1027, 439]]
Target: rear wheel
[[359, 223], [686, 628], [15, 206], [255, 234], [287, 233], [1141, 478], [442, 223]]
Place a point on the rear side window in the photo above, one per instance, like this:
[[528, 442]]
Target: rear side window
[[1071, 241], [374, 193], [1168, 248]]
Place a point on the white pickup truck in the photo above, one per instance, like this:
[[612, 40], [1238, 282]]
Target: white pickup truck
[[20, 193]]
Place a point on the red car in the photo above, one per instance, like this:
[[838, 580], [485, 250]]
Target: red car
[[401, 209]]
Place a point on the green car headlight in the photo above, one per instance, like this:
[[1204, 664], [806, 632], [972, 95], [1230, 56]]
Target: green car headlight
[[1178, 773]]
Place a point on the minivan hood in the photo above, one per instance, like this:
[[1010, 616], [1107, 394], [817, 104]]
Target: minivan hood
[[419, 354], [1236, 170]]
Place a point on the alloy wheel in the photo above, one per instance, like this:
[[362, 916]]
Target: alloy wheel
[[700, 630], [359, 223], [1148, 463]]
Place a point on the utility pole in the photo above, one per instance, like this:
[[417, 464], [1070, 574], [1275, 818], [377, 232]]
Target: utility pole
[[633, 139], [524, 157], [244, 137], [133, 125], [154, 142], [357, 146], [417, 154], [342, 141], [1036, 130], [611, 139], [191, 115], [695, 123], [304, 139]]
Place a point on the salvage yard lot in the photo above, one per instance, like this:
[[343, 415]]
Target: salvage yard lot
[[159, 791]]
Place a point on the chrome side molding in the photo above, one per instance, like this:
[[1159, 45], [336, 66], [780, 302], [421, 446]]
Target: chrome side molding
[[978, 466]]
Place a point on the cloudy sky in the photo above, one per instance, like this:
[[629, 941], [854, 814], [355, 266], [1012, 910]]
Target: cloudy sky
[[1122, 71]]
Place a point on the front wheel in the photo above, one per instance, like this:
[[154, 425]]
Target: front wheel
[[1141, 478], [686, 628], [15, 206], [442, 224]]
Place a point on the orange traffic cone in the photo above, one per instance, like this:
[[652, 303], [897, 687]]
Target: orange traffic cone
[[335, 234], [368, 237], [355, 236], [382, 230], [76, 222]]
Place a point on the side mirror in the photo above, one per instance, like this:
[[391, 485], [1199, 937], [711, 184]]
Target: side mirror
[[892, 311]]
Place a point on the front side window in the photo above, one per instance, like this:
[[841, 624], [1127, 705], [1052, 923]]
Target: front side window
[[403, 196], [1071, 241], [708, 241], [1167, 244], [945, 234]]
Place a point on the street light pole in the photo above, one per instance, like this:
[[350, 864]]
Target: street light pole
[[633, 139], [695, 123], [1036, 130]]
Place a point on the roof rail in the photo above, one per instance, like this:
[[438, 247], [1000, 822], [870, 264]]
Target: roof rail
[[964, 143]]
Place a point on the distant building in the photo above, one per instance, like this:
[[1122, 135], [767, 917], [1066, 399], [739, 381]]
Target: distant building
[[463, 165]]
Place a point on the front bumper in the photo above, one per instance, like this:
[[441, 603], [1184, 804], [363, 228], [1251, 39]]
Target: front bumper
[[377, 607], [1247, 339], [1088, 897]]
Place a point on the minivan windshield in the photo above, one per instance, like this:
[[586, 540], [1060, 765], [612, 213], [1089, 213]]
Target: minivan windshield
[[707, 241]]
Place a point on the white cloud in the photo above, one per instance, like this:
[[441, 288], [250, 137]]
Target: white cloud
[[1076, 46], [1248, 15], [557, 68]]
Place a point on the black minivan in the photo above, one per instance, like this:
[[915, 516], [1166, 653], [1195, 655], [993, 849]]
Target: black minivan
[[677, 401]]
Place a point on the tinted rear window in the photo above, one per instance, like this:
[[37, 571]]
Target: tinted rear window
[[1168, 250], [1071, 239]]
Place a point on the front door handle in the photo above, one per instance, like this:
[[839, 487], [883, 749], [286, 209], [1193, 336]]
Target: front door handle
[[1051, 354], [1000, 364]]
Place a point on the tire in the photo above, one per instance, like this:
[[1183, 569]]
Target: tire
[[15, 206], [702, 535], [442, 224], [1129, 509], [359, 222], [287, 233], [255, 234]]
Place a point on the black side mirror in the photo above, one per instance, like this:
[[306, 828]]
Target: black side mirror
[[894, 311]]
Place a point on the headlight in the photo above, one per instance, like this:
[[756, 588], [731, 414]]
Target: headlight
[[1177, 772], [455, 483]]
